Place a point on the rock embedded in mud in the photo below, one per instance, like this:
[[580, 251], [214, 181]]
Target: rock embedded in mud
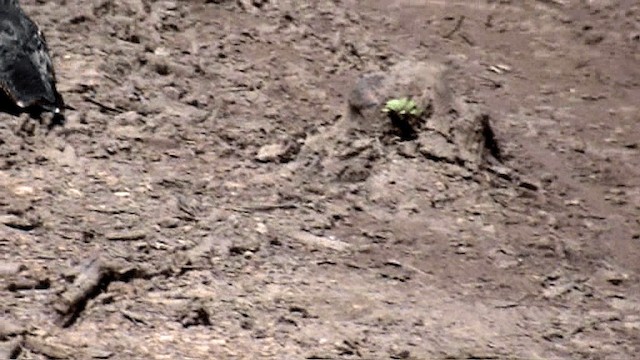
[[436, 147], [279, 152], [23, 190], [195, 315], [355, 171], [11, 268], [408, 150], [614, 277], [10, 328], [270, 153], [169, 222]]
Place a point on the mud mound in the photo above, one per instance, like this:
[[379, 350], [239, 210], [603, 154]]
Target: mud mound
[[446, 130]]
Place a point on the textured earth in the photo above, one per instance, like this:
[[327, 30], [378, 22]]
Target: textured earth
[[226, 187]]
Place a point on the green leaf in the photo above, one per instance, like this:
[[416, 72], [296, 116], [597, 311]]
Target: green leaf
[[402, 106]]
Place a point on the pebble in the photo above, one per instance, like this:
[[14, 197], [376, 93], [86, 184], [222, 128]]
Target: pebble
[[271, 153], [23, 190]]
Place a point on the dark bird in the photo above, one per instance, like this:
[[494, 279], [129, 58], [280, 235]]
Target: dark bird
[[27, 76]]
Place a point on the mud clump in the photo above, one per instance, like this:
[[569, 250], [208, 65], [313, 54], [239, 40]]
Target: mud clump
[[446, 129]]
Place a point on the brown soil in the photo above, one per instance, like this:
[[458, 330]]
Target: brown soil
[[210, 198]]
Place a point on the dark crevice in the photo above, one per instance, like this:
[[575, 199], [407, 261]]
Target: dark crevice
[[490, 141]]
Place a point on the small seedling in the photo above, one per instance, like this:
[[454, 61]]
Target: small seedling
[[402, 107], [405, 116]]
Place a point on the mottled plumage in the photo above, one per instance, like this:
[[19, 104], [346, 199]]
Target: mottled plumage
[[26, 73]]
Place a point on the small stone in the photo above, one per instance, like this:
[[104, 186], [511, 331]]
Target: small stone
[[195, 316], [20, 223], [615, 278], [99, 353], [572, 202], [126, 235], [11, 268], [169, 223], [161, 51], [23, 190], [543, 243], [261, 228], [408, 149], [280, 152], [548, 178], [68, 156], [354, 172], [502, 171], [128, 118], [461, 250], [244, 247], [75, 192], [401, 354], [9, 328], [577, 145], [632, 325], [434, 146], [270, 153]]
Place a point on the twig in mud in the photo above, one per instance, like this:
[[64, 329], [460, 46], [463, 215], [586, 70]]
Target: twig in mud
[[85, 287], [494, 83], [263, 207], [111, 211], [467, 39], [312, 240], [129, 235], [515, 303], [235, 89], [103, 106], [133, 316], [189, 210], [24, 283], [455, 28], [559, 3], [92, 280]]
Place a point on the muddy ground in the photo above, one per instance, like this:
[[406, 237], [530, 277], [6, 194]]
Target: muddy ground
[[218, 192]]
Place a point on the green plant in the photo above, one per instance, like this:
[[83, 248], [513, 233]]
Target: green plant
[[402, 107]]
